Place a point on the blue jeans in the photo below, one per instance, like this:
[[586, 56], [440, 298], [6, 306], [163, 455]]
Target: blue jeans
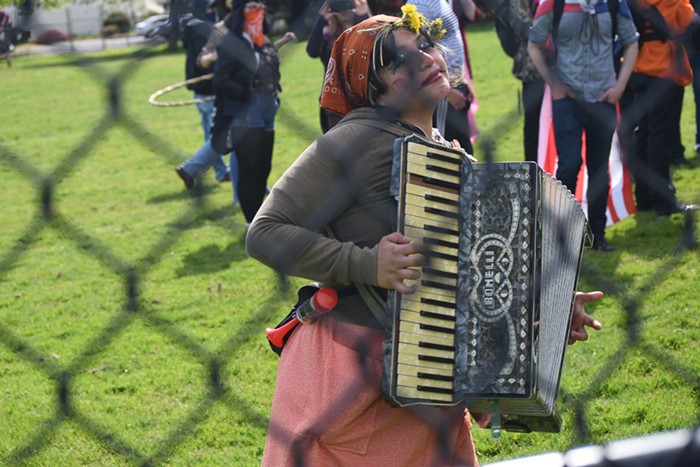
[[258, 112], [206, 113], [206, 157], [571, 118], [202, 159]]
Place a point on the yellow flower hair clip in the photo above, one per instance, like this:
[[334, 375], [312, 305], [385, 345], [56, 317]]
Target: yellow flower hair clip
[[412, 20], [417, 23], [435, 30]]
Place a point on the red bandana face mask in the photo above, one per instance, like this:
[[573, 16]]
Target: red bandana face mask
[[254, 24]]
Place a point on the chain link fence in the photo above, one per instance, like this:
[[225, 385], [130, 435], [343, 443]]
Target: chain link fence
[[681, 449]]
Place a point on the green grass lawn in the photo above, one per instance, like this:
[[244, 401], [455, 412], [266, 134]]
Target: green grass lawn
[[132, 321]]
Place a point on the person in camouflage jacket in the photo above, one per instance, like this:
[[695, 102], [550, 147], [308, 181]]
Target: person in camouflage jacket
[[521, 14]]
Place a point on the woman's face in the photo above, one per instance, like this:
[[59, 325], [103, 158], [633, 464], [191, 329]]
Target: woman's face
[[419, 73]]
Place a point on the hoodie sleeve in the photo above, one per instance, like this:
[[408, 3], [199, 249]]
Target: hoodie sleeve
[[287, 234]]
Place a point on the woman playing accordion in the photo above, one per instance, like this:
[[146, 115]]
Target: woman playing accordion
[[330, 218]]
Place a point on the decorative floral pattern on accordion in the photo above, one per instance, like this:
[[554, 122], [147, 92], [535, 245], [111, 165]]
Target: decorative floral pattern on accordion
[[498, 277]]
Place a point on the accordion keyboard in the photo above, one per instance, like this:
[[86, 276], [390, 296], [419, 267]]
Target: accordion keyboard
[[426, 325]]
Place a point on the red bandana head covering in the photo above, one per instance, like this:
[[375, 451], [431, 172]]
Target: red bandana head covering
[[346, 86], [253, 25]]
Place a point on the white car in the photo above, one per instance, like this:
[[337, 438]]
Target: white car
[[144, 27]]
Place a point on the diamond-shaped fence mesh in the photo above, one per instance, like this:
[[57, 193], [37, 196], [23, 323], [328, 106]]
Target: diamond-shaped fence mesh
[[209, 370]]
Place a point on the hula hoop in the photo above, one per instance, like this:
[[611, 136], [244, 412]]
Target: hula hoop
[[152, 99]]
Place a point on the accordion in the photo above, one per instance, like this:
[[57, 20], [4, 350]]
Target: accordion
[[489, 322]]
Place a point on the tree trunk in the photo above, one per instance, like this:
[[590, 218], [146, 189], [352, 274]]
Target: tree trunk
[[177, 9]]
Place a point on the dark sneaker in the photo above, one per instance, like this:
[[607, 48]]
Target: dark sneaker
[[602, 245], [678, 208], [680, 161], [186, 178]]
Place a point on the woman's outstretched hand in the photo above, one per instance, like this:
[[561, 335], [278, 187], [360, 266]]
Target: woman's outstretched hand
[[581, 319]]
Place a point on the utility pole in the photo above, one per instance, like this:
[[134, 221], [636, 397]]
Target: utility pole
[[177, 9]]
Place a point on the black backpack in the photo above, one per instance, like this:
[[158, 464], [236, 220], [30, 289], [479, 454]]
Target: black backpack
[[650, 23], [503, 23], [506, 35]]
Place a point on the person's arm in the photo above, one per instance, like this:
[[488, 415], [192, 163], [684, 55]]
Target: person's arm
[[539, 59], [230, 62], [540, 33], [315, 43], [208, 54], [281, 237], [469, 9], [207, 59], [460, 98], [288, 37], [362, 8], [629, 58]]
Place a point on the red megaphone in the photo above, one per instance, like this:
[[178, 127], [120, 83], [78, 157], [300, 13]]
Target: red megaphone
[[322, 301], [276, 335]]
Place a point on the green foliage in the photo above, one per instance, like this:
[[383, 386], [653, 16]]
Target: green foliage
[[119, 20], [48, 4], [173, 367]]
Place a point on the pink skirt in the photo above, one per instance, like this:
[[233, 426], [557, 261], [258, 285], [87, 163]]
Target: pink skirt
[[328, 408]]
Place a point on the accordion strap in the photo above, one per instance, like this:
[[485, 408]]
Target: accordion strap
[[374, 301], [370, 295]]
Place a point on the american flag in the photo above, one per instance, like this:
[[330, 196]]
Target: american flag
[[620, 199]]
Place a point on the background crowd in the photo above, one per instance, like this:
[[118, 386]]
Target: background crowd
[[631, 56]]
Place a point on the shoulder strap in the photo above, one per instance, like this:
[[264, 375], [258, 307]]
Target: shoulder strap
[[374, 301], [650, 23], [388, 125], [613, 8], [556, 19], [370, 295]]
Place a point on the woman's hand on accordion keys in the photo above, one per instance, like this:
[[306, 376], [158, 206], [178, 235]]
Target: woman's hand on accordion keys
[[397, 258], [581, 319]]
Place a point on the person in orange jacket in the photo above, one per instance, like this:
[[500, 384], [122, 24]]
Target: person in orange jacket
[[661, 72]]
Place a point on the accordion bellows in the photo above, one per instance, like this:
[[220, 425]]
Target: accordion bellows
[[489, 323]]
